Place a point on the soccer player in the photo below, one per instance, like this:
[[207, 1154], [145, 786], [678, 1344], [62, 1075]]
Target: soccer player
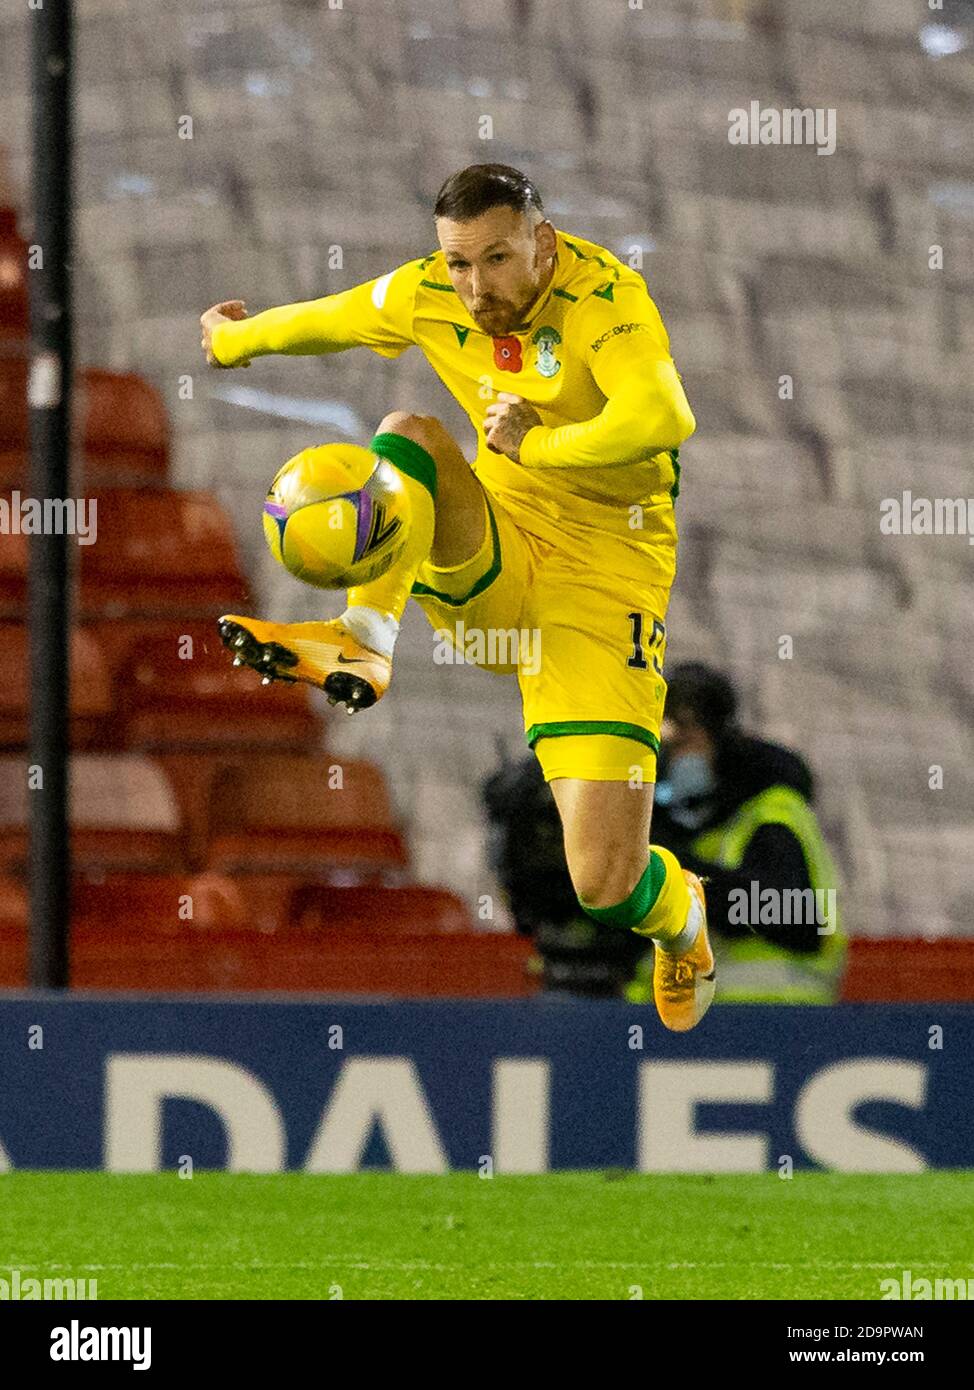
[[563, 524]]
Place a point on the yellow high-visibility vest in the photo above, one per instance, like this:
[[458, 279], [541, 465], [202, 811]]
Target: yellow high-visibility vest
[[751, 969]]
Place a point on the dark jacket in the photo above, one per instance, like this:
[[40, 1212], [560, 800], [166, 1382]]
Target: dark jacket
[[743, 767]]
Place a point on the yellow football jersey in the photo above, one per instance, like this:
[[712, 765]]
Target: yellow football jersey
[[592, 357]]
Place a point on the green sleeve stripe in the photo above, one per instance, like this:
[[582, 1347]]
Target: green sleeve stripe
[[408, 456], [434, 285]]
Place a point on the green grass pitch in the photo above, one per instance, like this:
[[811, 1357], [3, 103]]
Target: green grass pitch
[[375, 1235]]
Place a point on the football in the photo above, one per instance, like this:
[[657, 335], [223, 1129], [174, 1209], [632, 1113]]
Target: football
[[336, 516]]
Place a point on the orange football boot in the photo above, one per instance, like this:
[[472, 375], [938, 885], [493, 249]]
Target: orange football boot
[[325, 655], [683, 986]]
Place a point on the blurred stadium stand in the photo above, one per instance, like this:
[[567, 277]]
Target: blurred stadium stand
[[319, 138]]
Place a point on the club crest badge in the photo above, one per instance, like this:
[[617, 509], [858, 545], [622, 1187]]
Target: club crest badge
[[546, 339]]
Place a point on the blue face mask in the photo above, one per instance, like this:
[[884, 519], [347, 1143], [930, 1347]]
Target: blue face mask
[[690, 780]]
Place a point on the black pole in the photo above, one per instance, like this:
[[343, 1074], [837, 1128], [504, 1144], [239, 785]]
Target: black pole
[[49, 399]]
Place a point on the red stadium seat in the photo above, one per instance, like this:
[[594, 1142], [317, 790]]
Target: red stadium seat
[[14, 315], [461, 966], [13, 934], [161, 904], [123, 814], [160, 552], [902, 970], [121, 429], [125, 430], [13, 422], [13, 574], [92, 725], [180, 690], [408, 942], [131, 932], [404, 909], [157, 552], [128, 929], [13, 905], [313, 815]]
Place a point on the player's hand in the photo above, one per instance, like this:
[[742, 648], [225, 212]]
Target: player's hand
[[506, 422], [230, 311]]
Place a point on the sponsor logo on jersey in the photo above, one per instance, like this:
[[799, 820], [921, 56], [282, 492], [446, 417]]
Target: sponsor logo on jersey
[[619, 328]]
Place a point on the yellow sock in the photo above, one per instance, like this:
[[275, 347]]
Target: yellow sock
[[659, 904], [389, 594], [668, 915]]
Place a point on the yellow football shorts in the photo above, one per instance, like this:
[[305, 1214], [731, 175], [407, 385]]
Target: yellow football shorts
[[586, 645]]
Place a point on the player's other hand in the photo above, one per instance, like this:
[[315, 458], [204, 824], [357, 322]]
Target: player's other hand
[[506, 422], [230, 311]]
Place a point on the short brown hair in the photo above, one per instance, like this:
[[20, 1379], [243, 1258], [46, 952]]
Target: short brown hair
[[479, 187]]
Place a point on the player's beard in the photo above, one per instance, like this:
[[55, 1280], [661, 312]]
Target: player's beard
[[505, 316], [499, 319]]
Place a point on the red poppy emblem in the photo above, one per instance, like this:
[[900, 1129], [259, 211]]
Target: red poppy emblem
[[507, 354]]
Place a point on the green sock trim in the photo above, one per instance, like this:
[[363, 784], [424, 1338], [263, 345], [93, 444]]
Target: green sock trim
[[408, 456], [640, 902]]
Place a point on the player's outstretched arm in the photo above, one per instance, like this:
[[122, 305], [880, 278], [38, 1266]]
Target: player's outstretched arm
[[377, 315]]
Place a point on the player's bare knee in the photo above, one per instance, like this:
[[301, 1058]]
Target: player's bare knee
[[453, 474], [425, 430], [605, 880]]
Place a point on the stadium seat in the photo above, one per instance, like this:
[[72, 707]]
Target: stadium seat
[[474, 965], [312, 815], [121, 431], [158, 904], [414, 965], [132, 932], [13, 421], [91, 691], [404, 909], [157, 552], [13, 575], [125, 430], [13, 933], [905, 971], [160, 552], [127, 929], [123, 814], [180, 690], [13, 279]]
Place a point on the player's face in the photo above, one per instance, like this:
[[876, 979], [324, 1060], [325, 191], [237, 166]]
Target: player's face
[[498, 264]]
